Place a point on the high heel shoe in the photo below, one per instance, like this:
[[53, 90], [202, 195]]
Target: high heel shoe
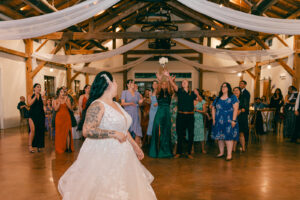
[[221, 156], [31, 149], [228, 159]]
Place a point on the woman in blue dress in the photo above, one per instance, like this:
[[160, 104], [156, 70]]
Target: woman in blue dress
[[200, 111], [130, 100], [153, 109], [224, 114]]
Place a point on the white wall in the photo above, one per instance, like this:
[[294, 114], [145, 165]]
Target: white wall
[[13, 79], [13, 85]]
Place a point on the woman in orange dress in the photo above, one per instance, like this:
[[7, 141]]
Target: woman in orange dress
[[83, 99], [63, 125]]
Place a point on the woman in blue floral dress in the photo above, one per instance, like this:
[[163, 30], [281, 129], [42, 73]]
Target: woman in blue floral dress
[[224, 114]]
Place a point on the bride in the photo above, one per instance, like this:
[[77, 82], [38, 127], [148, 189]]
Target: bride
[[108, 166]]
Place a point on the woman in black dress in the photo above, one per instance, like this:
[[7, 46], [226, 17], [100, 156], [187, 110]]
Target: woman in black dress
[[277, 102], [36, 119], [242, 118]]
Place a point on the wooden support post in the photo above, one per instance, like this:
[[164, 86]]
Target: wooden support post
[[87, 79], [257, 81], [296, 79], [29, 78], [200, 70], [125, 61], [69, 76]]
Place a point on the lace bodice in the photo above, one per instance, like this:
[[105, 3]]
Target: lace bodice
[[114, 120]]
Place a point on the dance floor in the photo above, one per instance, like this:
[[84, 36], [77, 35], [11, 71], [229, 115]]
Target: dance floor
[[269, 170]]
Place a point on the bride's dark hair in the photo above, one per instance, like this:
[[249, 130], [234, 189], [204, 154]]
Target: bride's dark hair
[[98, 87]]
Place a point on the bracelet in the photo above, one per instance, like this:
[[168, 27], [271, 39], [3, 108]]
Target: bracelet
[[234, 121]]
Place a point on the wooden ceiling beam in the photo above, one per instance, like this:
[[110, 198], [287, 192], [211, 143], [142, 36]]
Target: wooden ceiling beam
[[193, 14], [13, 52], [99, 26], [32, 5], [280, 61], [10, 12], [262, 6], [150, 35]]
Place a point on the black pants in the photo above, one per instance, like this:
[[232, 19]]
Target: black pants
[[296, 134], [184, 122]]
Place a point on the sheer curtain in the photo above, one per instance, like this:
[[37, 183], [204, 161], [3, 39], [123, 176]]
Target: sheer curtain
[[41, 25], [94, 70], [242, 56], [73, 59], [244, 20]]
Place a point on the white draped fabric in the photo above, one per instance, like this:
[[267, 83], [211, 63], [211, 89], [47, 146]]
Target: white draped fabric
[[244, 20], [222, 69], [93, 70], [74, 59], [49, 23], [242, 56]]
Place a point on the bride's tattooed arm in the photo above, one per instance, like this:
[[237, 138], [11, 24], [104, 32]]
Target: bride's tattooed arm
[[92, 121]]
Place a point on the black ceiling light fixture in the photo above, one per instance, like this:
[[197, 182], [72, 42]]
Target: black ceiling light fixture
[[156, 20]]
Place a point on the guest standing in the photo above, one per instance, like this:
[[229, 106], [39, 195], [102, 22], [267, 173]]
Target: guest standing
[[48, 109], [36, 119], [242, 118], [245, 95], [83, 99], [63, 124], [160, 146], [145, 109], [130, 100], [276, 102], [296, 133], [153, 110], [224, 114], [185, 115], [200, 111], [23, 108], [289, 112]]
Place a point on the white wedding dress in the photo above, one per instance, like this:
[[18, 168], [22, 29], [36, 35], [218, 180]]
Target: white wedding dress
[[107, 169]]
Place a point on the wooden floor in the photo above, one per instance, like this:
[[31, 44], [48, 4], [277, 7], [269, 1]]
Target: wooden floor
[[269, 170]]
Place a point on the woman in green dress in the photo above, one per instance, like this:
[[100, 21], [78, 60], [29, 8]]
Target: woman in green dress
[[160, 146], [200, 111]]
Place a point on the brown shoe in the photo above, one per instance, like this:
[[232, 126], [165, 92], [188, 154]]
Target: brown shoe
[[190, 156], [177, 156]]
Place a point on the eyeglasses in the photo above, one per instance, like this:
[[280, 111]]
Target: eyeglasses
[[224, 86]]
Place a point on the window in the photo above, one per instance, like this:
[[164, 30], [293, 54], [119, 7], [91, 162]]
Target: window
[[77, 86], [49, 86], [142, 86]]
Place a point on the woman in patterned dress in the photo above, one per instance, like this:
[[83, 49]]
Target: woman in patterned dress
[[200, 111], [224, 114]]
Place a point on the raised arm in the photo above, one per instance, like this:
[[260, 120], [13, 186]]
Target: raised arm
[[171, 80], [92, 121], [56, 104]]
